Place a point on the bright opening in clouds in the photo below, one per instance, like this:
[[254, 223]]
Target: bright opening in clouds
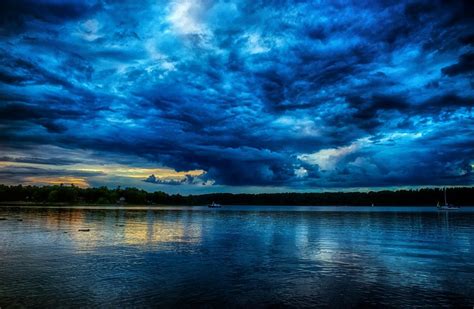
[[238, 96]]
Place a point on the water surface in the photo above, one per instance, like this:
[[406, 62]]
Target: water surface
[[236, 256]]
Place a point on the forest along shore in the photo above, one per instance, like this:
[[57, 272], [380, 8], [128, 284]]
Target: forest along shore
[[64, 195]]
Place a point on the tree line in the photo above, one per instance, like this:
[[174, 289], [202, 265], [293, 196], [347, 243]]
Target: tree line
[[73, 195]]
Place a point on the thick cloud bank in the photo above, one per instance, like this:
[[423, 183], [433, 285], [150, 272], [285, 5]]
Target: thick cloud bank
[[295, 95]]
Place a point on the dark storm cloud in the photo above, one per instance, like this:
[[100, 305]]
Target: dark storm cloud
[[16, 14], [413, 168], [48, 118], [465, 65], [285, 94], [14, 111], [19, 71], [468, 39], [371, 112], [449, 101], [48, 161], [20, 172]]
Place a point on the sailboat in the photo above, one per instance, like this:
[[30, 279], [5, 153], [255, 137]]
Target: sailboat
[[446, 206], [214, 205]]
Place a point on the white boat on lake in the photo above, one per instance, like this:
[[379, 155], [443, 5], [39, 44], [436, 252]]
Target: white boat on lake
[[446, 206], [214, 205]]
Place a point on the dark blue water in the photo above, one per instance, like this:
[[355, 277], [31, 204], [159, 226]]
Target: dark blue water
[[237, 257]]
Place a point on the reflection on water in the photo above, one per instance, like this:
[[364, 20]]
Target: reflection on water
[[243, 256]]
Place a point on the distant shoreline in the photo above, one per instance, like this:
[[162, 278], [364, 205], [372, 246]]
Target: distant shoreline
[[64, 196], [62, 205]]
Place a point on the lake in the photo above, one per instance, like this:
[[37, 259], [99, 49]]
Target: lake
[[236, 256]]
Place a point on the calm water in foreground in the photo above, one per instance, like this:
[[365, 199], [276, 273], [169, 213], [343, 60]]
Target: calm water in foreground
[[236, 256]]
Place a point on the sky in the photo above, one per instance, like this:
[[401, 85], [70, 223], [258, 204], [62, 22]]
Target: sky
[[237, 96]]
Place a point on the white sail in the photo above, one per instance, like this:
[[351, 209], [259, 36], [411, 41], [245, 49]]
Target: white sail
[[445, 199]]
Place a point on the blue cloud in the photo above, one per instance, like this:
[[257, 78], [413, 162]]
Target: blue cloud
[[270, 94]]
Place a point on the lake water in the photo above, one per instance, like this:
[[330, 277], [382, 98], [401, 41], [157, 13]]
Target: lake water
[[236, 256]]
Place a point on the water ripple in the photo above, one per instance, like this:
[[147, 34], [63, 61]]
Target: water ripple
[[239, 257]]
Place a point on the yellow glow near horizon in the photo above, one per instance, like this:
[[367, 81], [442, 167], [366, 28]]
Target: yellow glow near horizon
[[67, 180], [100, 170], [136, 172]]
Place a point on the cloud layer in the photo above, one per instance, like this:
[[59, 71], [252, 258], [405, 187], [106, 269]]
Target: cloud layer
[[287, 95]]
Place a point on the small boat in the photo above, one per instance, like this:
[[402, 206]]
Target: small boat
[[214, 205], [446, 206], [83, 230]]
